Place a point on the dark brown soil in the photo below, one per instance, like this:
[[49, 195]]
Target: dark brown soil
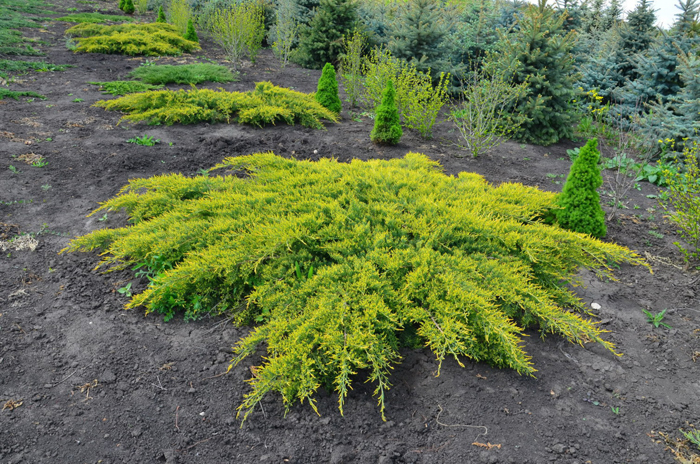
[[98, 384]]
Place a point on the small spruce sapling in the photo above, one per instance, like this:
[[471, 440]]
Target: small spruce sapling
[[161, 15], [387, 126], [580, 202], [121, 4], [129, 6], [191, 34], [327, 92]]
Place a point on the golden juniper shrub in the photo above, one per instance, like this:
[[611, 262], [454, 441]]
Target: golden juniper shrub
[[152, 39], [266, 104], [335, 261]]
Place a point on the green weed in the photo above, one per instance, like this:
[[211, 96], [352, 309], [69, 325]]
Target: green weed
[[656, 319]]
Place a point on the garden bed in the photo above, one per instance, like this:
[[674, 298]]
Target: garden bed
[[82, 380]]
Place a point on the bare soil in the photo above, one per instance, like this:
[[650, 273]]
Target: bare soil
[[83, 381]]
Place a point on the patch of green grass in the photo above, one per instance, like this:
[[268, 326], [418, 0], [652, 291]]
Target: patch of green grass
[[125, 87], [16, 94], [183, 74], [94, 18], [20, 67], [15, 14]]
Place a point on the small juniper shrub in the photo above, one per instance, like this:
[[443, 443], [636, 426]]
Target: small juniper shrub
[[161, 15], [327, 93], [129, 6], [387, 126], [195, 73], [334, 261], [151, 39], [121, 4], [266, 104], [579, 201], [125, 87], [191, 34]]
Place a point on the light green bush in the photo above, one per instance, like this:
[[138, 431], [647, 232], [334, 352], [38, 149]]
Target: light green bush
[[340, 264], [239, 30], [267, 104], [418, 101], [152, 39]]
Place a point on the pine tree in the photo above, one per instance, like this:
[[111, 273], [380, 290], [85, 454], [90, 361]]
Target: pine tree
[[191, 34], [418, 33], [321, 40], [540, 54], [161, 15], [387, 126], [327, 93], [129, 6], [686, 20], [636, 36], [579, 200]]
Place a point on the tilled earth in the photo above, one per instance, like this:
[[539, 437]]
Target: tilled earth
[[83, 381]]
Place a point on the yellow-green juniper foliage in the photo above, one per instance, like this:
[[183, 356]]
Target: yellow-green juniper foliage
[[267, 104], [152, 39], [336, 261]]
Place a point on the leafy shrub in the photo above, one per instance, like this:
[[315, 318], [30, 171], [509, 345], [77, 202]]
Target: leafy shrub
[[179, 14], [418, 101], [141, 6], [327, 91], [267, 104], [579, 201], [93, 18], [191, 34], [283, 35], [337, 260], [387, 126], [183, 74], [483, 116], [239, 30], [153, 39], [351, 65], [684, 201], [15, 94], [125, 87]]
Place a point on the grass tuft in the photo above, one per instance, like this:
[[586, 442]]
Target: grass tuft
[[14, 94]]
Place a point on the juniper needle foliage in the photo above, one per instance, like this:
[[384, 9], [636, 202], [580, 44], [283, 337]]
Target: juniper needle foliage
[[580, 202], [267, 104], [327, 93], [336, 261], [152, 39]]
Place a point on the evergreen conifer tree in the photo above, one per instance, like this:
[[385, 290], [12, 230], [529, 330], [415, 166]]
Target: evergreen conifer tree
[[686, 20], [129, 6], [321, 41], [387, 126], [579, 200], [539, 53], [121, 4], [418, 33], [161, 15], [191, 34], [636, 36], [327, 92]]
